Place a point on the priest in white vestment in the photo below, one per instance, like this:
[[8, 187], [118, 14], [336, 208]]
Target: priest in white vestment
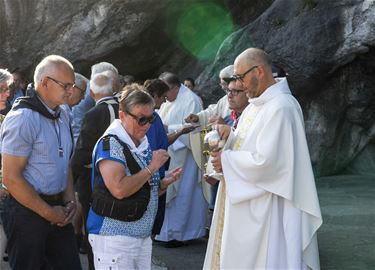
[[267, 211], [219, 109], [186, 208]]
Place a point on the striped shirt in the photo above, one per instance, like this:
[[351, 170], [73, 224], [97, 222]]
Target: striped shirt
[[45, 142]]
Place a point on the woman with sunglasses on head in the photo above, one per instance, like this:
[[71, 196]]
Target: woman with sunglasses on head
[[126, 185]]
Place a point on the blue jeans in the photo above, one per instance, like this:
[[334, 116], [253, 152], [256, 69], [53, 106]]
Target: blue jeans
[[32, 240]]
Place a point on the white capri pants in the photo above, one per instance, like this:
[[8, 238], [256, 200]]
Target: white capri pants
[[121, 252]]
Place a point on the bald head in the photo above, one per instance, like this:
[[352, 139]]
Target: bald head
[[253, 57], [253, 69]]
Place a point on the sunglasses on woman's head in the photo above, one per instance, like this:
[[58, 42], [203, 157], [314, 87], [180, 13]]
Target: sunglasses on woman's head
[[143, 120]]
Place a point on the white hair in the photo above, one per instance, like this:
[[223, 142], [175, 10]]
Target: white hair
[[101, 67], [227, 72], [80, 79], [5, 76], [47, 65], [101, 84]]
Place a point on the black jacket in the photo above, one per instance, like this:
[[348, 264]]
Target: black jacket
[[94, 123]]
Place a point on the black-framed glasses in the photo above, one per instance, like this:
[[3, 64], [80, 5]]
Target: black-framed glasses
[[228, 79], [66, 86], [233, 92], [143, 120], [240, 77]]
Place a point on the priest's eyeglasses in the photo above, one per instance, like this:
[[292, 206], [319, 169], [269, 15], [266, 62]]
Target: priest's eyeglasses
[[240, 77], [65, 86], [143, 120], [233, 92]]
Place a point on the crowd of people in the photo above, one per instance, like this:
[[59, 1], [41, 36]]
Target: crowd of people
[[106, 166]]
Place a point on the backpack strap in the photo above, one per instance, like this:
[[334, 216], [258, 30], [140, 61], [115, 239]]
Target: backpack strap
[[130, 161], [109, 103]]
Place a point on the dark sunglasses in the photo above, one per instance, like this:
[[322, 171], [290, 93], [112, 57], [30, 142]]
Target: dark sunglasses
[[143, 120]]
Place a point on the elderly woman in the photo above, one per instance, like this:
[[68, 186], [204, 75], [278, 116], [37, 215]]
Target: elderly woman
[[5, 80], [124, 164]]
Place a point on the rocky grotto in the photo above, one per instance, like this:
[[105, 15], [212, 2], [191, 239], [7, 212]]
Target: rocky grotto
[[326, 47]]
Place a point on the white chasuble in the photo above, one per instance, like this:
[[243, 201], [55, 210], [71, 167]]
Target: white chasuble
[[186, 208], [173, 115], [271, 213]]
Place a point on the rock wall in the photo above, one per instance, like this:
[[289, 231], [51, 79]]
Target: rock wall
[[82, 31], [328, 50], [326, 47]]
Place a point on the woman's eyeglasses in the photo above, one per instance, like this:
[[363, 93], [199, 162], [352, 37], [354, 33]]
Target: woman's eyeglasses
[[4, 89], [143, 120]]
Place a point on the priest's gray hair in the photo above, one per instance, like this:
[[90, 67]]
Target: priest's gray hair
[[101, 67], [101, 84], [5, 76], [226, 72], [47, 66]]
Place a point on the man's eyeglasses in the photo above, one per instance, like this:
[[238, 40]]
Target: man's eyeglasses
[[80, 89], [242, 76], [233, 92], [66, 86], [143, 120]]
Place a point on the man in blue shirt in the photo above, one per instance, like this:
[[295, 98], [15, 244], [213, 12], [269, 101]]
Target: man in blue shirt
[[36, 145]]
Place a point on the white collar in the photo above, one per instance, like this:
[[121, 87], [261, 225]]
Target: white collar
[[280, 87], [116, 128]]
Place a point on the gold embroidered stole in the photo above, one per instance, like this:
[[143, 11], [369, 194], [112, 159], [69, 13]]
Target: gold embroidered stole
[[244, 127], [242, 130]]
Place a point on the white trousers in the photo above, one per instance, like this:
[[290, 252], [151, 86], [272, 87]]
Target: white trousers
[[121, 252]]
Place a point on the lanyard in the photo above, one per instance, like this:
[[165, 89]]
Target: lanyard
[[58, 135]]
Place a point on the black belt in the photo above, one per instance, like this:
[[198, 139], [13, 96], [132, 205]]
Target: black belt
[[52, 199]]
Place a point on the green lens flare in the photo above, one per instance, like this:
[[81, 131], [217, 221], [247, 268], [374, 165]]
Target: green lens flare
[[201, 28]]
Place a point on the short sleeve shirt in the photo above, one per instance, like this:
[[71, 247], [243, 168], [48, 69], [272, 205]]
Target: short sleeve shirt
[[46, 143], [141, 228]]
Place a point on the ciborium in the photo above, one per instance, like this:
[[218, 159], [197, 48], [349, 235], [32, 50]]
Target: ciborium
[[213, 143]]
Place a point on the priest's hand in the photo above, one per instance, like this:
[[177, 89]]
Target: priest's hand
[[223, 130], [192, 118], [188, 128], [216, 161], [215, 119]]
